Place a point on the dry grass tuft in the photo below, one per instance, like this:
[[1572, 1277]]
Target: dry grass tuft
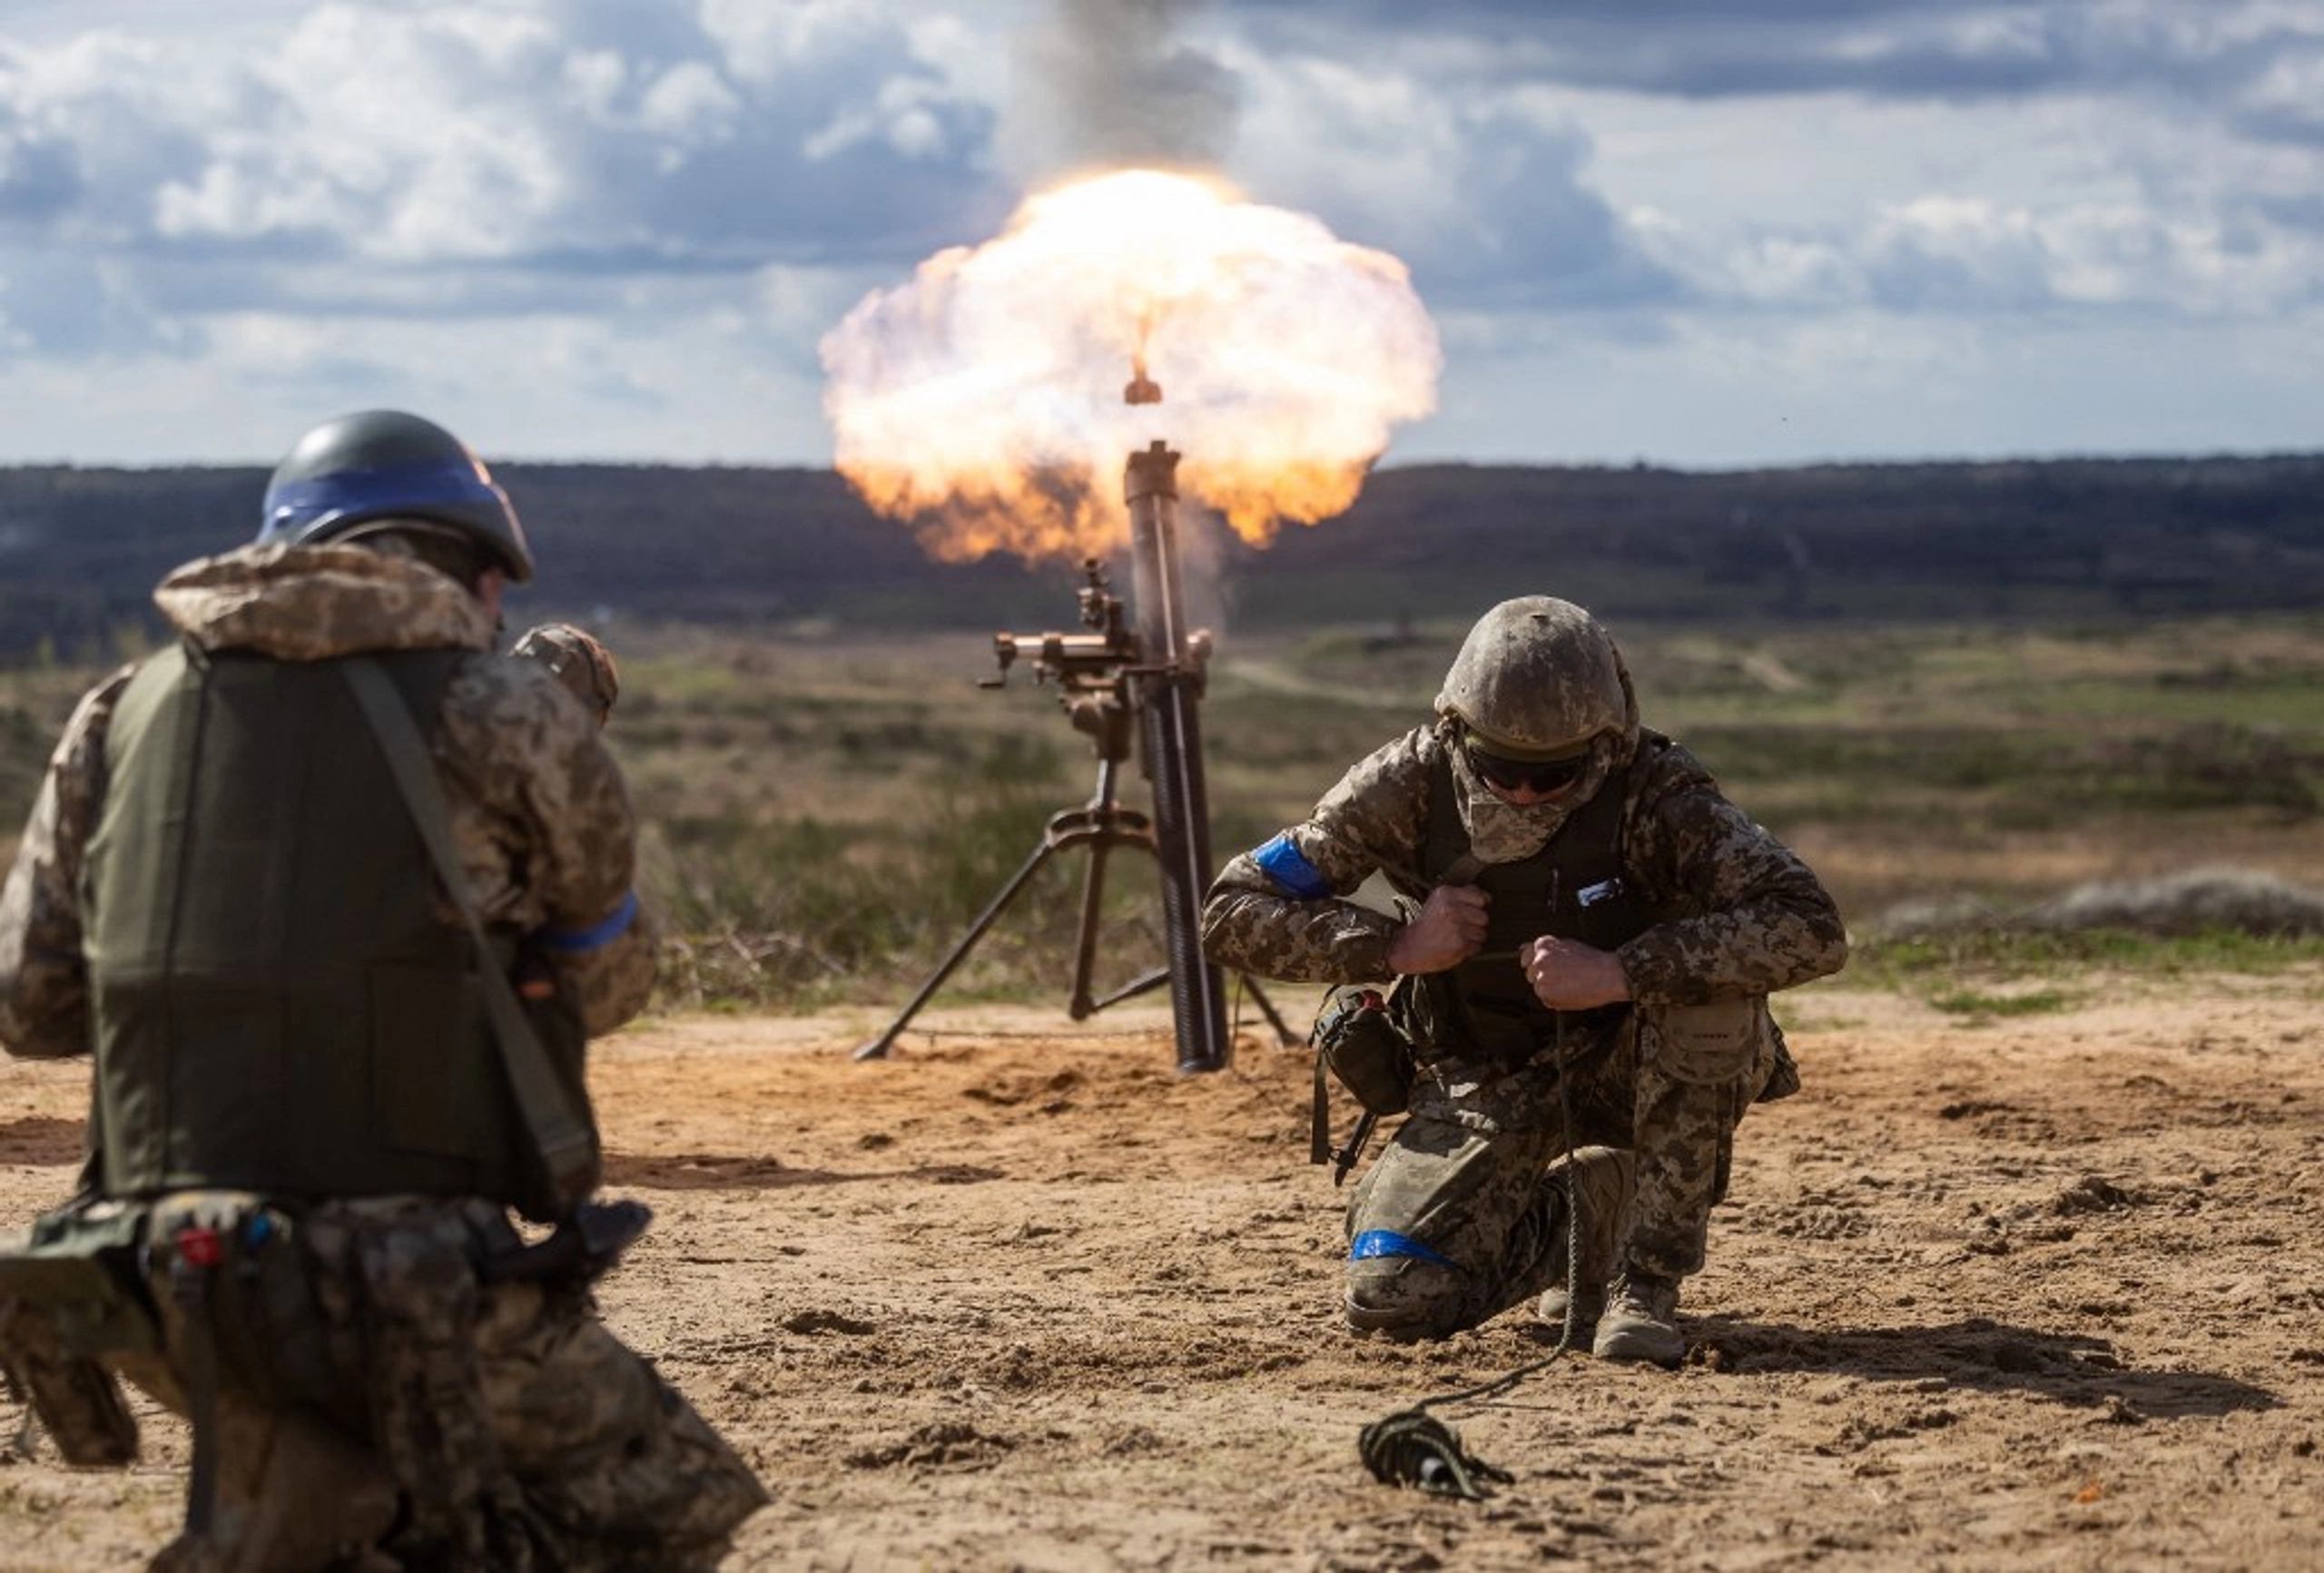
[[2205, 900], [2198, 901]]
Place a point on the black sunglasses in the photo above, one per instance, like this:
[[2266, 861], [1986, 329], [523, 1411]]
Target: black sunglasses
[[1546, 778]]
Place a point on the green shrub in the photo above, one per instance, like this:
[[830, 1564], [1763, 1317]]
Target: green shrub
[[798, 913]]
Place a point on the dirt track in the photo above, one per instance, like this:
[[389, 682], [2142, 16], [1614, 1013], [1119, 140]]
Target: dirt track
[[2035, 1293]]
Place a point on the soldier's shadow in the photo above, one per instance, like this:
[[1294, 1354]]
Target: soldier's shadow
[[2070, 1369], [721, 1171]]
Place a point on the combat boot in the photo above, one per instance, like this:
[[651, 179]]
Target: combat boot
[[1603, 1179], [1642, 1322], [1551, 1309]]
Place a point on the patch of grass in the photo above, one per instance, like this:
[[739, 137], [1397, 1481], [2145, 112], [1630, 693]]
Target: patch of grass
[[1928, 964], [1978, 1002], [825, 810], [796, 913]]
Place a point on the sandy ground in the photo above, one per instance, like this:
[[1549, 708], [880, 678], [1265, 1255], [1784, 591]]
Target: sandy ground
[[2029, 1292]]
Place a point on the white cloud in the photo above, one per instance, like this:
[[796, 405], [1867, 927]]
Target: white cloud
[[768, 44], [1739, 392], [1338, 137], [903, 116], [1490, 195], [301, 201], [1961, 255], [692, 104]]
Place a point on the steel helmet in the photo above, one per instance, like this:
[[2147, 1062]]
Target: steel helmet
[[1537, 679], [384, 463]]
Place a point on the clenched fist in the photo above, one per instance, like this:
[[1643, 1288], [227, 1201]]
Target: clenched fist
[[1568, 975], [1446, 932]]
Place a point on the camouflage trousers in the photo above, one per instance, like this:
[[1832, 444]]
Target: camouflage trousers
[[1463, 1214], [386, 1401]]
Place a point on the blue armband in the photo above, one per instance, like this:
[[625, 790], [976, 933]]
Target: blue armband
[[596, 935], [1288, 867]]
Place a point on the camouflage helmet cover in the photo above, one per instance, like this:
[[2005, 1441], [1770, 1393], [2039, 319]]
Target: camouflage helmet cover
[[1537, 679], [578, 660], [383, 464]]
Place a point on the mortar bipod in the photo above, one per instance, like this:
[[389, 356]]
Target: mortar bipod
[[1097, 827]]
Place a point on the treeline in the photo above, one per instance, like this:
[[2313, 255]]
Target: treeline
[[80, 549]]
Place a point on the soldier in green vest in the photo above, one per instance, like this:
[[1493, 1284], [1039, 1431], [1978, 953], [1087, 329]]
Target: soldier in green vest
[[277, 882], [1583, 935]]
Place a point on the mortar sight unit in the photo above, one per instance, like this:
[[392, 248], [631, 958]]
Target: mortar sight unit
[[1096, 673]]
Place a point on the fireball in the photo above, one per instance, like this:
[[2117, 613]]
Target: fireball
[[984, 400]]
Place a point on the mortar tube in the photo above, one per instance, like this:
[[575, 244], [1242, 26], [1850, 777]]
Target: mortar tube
[[1173, 755]]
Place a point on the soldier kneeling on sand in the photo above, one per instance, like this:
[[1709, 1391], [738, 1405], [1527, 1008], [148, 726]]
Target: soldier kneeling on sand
[[1585, 937], [335, 896]]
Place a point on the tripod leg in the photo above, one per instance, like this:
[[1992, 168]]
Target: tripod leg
[[1135, 987], [1093, 894], [1267, 1009], [878, 1047]]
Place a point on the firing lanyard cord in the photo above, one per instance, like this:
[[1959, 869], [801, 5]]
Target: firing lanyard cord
[[1412, 1447], [1566, 1334], [1572, 1195]]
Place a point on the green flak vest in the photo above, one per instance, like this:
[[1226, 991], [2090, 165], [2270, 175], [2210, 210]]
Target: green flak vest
[[1575, 888], [280, 1003]]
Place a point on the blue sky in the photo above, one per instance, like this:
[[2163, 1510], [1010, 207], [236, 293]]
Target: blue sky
[[1707, 233]]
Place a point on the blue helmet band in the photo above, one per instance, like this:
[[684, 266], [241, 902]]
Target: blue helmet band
[[389, 464], [307, 509]]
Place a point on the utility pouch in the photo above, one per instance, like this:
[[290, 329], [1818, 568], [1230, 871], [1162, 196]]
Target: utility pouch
[[69, 1299], [1704, 1044], [1359, 1039], [78, 1402], [264, 1323]]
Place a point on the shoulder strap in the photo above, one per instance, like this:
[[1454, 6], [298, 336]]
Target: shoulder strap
[[1440, 824], [564, 1145]]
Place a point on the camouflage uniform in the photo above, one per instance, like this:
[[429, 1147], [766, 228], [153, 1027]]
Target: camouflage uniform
[[512, 1427], [1461, 1217]]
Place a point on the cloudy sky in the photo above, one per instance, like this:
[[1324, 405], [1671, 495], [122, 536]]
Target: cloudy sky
[[1705, 233]]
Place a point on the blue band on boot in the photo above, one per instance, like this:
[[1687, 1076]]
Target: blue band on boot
[[1374, 1242]]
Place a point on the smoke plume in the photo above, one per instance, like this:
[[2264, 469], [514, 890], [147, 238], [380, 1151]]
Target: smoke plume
[[1112, 82]]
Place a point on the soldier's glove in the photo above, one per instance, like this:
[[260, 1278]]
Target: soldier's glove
[[578, 660], [583, 1248]]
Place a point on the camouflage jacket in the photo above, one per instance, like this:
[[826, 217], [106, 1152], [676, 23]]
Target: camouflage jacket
[[539, 814], [1740, 912]]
